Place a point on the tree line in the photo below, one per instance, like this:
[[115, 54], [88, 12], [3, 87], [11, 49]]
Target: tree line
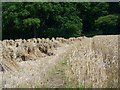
[[59, 19]]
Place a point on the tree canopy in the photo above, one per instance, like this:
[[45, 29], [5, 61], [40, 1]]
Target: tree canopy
[[59, 19]]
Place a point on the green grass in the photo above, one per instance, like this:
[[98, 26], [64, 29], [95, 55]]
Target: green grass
[[62, 70], [70, 79]]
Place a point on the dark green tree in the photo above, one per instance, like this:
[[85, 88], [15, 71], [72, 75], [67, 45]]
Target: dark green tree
[[89, 12], [59, 19], [43, 19], [107, 24]]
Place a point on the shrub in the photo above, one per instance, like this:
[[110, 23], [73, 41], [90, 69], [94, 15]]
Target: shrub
[[107, 24]]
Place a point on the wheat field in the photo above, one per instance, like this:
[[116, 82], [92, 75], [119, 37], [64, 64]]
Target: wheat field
[[68, 63]]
